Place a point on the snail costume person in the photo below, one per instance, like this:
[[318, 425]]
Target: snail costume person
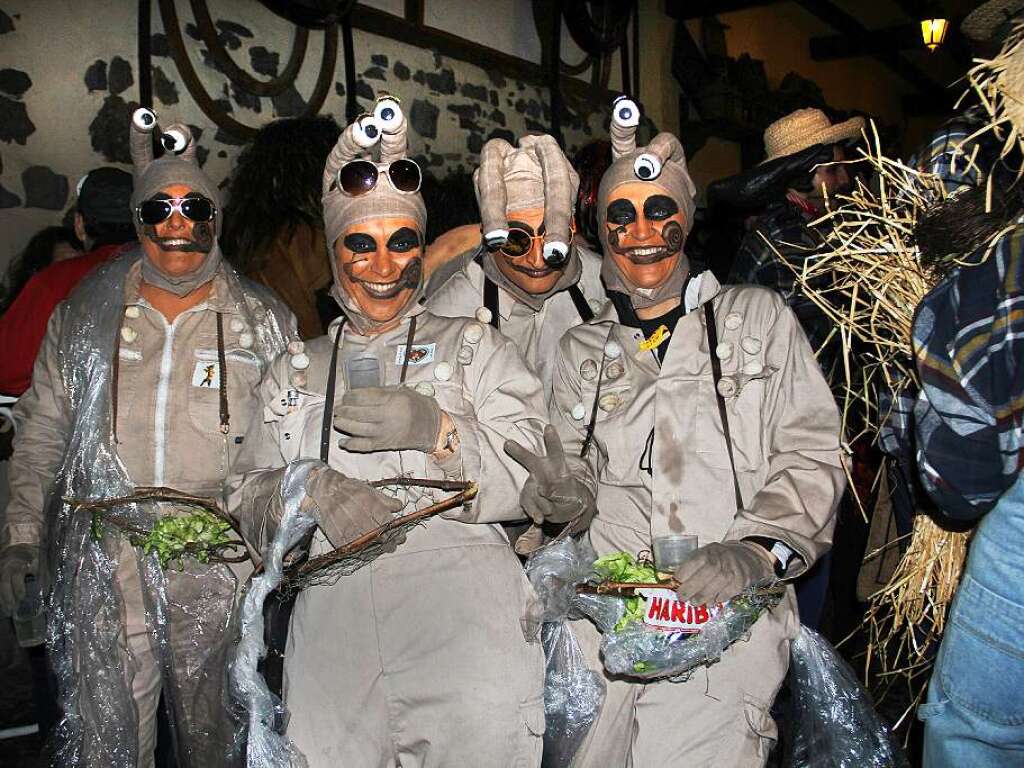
[[147, 377], [420, 657], [530, 278], [639, 398]]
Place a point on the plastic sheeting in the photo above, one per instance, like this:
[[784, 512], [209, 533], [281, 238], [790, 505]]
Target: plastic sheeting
[[262, 728], [573, 693], [835, 724], [189, 612]]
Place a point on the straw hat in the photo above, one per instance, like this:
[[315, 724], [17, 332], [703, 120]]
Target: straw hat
[[983, 21], [806, 128]]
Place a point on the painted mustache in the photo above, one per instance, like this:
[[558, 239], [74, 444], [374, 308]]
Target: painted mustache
[[531, 271], [409, 278], [642, 255]]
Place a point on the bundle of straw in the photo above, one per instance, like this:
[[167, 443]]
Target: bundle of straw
[[868, 279]]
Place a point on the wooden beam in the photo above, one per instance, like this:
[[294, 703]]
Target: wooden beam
[[846, 25], [698, 9], [392, 27]]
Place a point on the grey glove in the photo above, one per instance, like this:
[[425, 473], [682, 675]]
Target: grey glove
[[720, 571], [388, 419], [16, 562], [346, 508], [552, 493]]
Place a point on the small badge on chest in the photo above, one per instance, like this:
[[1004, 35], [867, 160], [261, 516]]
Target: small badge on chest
[[206, 374]]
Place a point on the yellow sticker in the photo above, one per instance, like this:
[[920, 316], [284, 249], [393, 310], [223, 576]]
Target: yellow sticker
[[656, 339]]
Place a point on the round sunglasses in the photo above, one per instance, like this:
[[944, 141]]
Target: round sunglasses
[[520, 241], [195, 209], [361, 176]]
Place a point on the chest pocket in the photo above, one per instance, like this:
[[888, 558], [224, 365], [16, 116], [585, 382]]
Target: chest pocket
[[617, 428], [243, 376], [745, 409]]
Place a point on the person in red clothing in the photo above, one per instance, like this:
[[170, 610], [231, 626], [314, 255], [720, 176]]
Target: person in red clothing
[[103, 222]]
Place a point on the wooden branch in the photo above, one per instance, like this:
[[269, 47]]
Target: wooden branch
[[449, 486], [361, 542]]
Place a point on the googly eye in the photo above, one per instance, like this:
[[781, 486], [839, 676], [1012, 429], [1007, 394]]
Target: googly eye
[[387, 113], [556, 254], [495, 238], [366, 132], [647, 167], [625, 112], [174, 141], [144, 119]]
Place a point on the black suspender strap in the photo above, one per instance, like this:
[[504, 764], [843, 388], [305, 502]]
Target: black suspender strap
[[716, 373], [491, 301], [332, 383], [222, 375], [582, 307]]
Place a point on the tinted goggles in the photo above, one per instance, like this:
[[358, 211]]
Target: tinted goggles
[[520, 241], [360, 176], [197, 209]]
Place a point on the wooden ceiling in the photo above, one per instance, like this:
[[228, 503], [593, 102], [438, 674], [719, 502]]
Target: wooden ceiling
[[885, 30]]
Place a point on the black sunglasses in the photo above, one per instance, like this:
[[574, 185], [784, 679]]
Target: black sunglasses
[[197, 209], [360, 176]]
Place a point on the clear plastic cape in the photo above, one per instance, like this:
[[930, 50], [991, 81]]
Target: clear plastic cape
[[190, 613], [263, 718], [573, 693]]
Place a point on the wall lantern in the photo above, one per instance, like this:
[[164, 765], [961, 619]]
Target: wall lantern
[[934, 32]]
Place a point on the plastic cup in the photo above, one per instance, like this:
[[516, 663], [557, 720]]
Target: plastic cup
[[30, 616], [672, 550]]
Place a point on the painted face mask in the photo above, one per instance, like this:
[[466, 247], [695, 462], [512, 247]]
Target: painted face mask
[[175, 206], [374, 230], [380, 266], [646, 203]]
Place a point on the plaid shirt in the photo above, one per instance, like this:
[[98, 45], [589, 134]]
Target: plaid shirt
[[969, 345], [785, 226], [940, 155]]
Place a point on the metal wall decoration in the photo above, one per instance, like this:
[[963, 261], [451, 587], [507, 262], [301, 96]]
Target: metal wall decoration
[[329, 15]]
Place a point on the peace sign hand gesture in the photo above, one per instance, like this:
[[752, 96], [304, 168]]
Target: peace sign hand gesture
[[552, 493]]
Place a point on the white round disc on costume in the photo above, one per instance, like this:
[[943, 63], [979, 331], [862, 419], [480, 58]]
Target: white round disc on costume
[[483, 314], [588, 369], [425, 388], [294, 347], [752, 368], [474, 332], [750, 345], [595, 305], [443, 371], [246, 340], [733, 321], [609, 402], [614, 370], [298, 379], [237, 324], [578, 412], [129, 334], [613, 350], [132, 312], [465, 356], [300, 362], [723, 351], [726, 387]]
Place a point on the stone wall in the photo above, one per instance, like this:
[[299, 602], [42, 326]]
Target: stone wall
[[69, 83]]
